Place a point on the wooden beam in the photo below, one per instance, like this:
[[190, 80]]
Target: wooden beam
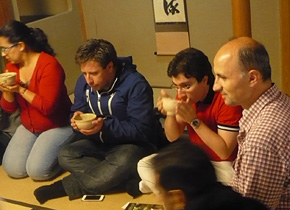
[[6, 12], [285, 44], [83, 25], [241, 12]]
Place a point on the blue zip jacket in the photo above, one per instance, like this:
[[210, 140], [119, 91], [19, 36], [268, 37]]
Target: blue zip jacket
[[127, 107]]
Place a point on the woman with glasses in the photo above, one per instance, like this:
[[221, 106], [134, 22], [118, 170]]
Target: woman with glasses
[[209, 122], [41, 95]]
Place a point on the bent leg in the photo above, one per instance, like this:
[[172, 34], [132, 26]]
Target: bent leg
[[4, 140], [147, 174], [115, 168], [224, 171], [17, 152], [42, 163], [80, 156]]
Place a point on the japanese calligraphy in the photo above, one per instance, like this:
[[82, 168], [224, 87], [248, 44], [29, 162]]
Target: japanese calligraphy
[[170, 8]]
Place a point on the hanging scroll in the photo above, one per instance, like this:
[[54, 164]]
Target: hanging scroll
[[171, 29]]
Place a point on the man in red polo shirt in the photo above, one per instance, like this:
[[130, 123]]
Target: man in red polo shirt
[[210, 123]]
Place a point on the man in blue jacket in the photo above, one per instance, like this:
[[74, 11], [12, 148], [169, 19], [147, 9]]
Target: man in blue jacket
[[105, 156]]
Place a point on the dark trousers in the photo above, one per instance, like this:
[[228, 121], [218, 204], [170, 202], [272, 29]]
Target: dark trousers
[[4, 140], [97, 168]]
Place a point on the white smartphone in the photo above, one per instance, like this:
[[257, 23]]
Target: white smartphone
[[93, 198]]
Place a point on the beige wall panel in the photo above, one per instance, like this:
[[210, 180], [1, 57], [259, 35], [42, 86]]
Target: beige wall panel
[[266, 29], [129, 25], [65, 36]]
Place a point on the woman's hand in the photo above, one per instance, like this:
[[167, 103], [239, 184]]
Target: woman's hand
[[10, 88]]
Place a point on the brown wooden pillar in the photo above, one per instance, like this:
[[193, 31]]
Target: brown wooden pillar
[[241, 12], [6, 11], [83, 25], [6, 14], [285, 44]]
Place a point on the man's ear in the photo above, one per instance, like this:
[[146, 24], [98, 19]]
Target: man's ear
[[110, 66], [178, 199], [254, 77], [205, 79]]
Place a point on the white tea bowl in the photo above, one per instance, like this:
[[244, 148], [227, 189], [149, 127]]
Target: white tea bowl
[[84, 121], [169, 105], [8, 78]]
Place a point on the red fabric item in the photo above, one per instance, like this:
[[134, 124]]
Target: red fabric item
[[216, 115], [50, 107]]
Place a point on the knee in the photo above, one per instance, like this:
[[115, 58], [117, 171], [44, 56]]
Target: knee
[[63, 155], [67, 154], [39, 172], [14, 169], [14, 172], [146, 162], [142, 163]]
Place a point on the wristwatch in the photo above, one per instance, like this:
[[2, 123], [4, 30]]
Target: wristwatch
[[195, 123]]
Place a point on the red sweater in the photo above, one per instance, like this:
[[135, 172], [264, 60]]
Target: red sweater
[[50, 107]]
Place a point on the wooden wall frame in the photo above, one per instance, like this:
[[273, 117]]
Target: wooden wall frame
[[285, 44], [6, 11]]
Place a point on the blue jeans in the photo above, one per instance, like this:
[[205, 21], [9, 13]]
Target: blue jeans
[[35, 155], [98, 168]]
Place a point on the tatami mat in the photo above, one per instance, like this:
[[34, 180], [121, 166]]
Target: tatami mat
[[19, 195]]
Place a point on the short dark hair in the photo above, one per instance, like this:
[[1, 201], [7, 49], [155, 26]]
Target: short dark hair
[[192, 63], [34, 38], [182, 165], [255, 56], [98, 50]]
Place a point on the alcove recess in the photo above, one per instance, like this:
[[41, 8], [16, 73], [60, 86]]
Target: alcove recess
[[32, 10]]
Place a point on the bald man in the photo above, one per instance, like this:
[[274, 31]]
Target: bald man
[[243, 76]]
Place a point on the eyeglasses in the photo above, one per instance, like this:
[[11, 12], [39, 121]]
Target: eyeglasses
[[183, 87], [5, 50]]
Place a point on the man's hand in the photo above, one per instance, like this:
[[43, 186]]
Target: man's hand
[[163, 94], [98, 124], [185, 112]]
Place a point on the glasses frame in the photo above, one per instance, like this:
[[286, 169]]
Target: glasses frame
[[184, 87], [4, 50]]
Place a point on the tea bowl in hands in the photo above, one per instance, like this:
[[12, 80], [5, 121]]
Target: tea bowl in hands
[[84, 121], [8, 78], [169, 105]]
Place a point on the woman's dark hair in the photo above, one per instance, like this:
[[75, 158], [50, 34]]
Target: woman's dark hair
[[192, 63], [34, 38]]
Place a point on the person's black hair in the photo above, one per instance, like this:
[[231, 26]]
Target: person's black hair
[[34, 38], [255, 56], [182, 165], [192, 63], [98, 50]]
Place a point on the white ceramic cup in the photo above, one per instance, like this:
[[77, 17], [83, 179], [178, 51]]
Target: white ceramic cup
[[8, 78], [169, 105], [84, 121]]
